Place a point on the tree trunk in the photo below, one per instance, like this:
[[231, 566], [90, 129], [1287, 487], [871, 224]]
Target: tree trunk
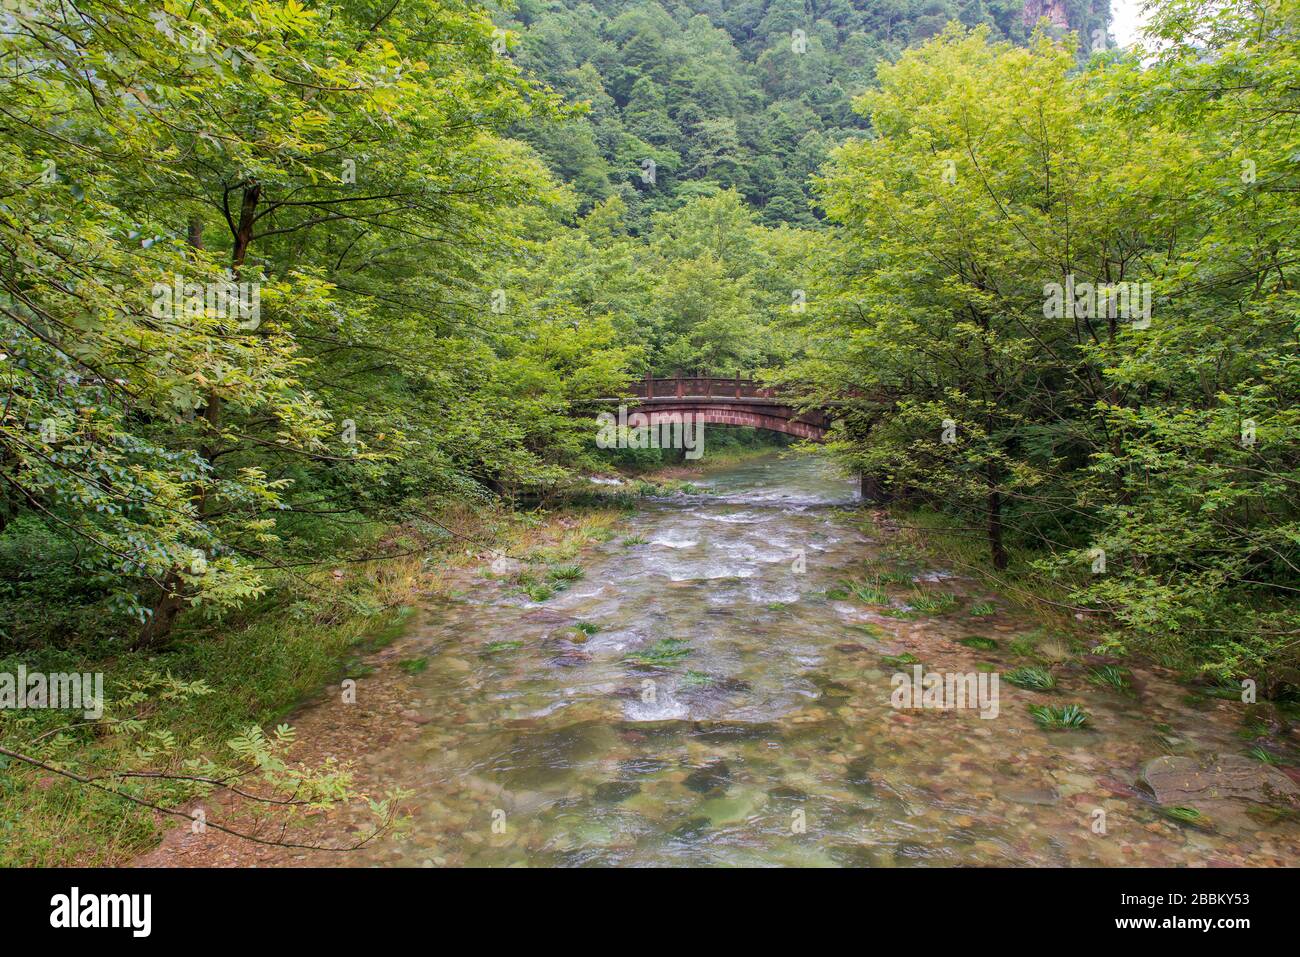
[[997, 551], [873, 488], [158, 628]]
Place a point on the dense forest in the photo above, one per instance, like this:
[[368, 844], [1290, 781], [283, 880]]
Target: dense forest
[[750, 96], [293, 289]]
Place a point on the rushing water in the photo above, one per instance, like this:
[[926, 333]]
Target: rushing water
[[768, 736]]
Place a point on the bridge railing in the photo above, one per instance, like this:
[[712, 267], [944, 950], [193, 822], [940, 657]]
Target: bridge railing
[[700, 386]]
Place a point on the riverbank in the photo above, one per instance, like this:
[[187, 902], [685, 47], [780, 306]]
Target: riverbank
[[313, 628]]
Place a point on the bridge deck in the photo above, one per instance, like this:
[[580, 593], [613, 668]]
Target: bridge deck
[[701, 387]]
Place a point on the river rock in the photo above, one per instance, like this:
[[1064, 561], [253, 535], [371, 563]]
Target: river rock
[[711, 779], [615, 792], [730, 810], [506, 566], [1180, 781], [858, 774], [1041, 796]]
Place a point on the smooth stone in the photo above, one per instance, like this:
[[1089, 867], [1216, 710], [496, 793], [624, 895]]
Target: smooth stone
[[1179, 781], [785, 793], [858, 774], [613, 792], [691, 828], [1041, 796], [712, 777], [729, 810]]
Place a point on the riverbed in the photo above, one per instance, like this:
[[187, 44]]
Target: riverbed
[[711, 692]]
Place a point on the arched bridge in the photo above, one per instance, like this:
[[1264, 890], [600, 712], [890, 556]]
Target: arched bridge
[[744, 402], [719, 401]]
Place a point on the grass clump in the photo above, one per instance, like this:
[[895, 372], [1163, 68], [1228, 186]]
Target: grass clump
[[1031, 677], [931, 603], [1265, 756], [565, 575], [1112, 676], [536, 591], [979, 642], [868, 592], [1059, 717]]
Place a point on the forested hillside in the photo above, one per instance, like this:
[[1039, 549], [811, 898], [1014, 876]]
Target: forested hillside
[[744, 94]]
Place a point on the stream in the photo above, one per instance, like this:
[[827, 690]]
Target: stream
[[732, 706]]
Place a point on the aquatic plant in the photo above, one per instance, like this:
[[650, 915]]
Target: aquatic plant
[[632, 540], [1032, 677], [932, 603], [902, 614], [566, 574], [867, 592], [495, 647], [1265, 756], [536, 591], [664, 488], [895, 578], [1058, 717], [1111, 676], [1187, 815], [664, 652], [898, 661], [586, 627]]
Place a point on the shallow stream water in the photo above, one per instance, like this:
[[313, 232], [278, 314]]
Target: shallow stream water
[[759, 730]]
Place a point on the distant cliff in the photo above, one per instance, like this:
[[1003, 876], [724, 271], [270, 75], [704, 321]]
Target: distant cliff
[[1054, 10]]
